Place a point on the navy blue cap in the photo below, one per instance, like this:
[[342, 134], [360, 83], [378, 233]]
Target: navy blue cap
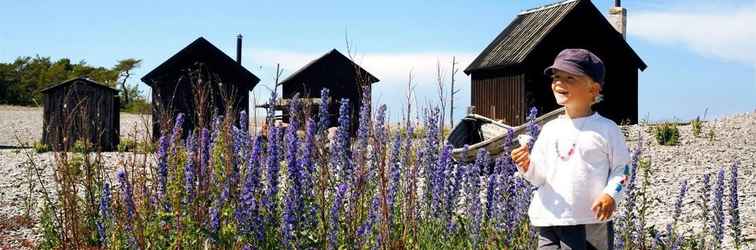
[[579, 62]]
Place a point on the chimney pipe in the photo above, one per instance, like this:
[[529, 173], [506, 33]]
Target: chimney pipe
[[618, 18], [238, 48]]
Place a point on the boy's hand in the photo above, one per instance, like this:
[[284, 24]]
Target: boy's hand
[[521, 157], [603, 207]]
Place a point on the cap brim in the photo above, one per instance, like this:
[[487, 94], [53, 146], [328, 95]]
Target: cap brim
[[566, 67]]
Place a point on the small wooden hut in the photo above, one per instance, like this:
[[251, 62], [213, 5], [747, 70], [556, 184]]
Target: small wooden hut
[[507, 77], [199, 66], [334, 71], [81, 109]]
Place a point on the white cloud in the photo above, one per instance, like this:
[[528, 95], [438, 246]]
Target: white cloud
[[726, 33]]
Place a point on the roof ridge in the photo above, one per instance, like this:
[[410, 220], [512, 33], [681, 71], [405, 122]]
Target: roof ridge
[[544, 7], [71, 80]]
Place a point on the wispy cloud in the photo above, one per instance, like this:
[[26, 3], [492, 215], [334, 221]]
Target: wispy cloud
[[722, 32]]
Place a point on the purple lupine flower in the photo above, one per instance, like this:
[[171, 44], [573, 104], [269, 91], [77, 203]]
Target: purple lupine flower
[[215, 129], [333, 226], [472, 193], [340, 154], [363, 129], [189, 171], [271, 112], [394, 161], [127, 195], [629, 212], [706, 196], [205, 146], [243, 121], [735, 230], [379, 146], [214, 218], [439, 181], [105, 199], [273, 167], [295, 109], [429, 161], [293, 201], [717, 206], [381, 135], [504, 170], [240, 146], [363, 232], [308, 149], [307, 166], [162, 170], [289, 222], [323, 113], [248, 211], [452, 195], [491, 197], [675, 239], [533, 128], [679, 202], [522, 199], [177, 129]]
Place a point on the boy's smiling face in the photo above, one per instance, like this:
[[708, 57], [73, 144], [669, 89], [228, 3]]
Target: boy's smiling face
[[573, 91]]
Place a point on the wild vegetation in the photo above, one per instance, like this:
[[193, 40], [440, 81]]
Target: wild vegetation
[[292, 186]]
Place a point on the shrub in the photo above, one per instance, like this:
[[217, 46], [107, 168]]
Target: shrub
[[80, 146], [40, 147], [138, 106], [712, 134], [126, 145], [696, 125], [667, 134]]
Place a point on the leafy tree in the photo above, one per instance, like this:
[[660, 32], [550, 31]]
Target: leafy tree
[[124, 68], [22, 79]]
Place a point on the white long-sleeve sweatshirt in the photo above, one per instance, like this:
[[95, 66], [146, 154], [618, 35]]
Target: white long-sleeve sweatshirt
[[569, 184]]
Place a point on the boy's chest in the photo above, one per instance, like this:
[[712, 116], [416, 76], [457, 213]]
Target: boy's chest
[[582, 152]]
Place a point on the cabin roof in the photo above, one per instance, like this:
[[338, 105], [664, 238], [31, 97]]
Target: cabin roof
[[518, 40], [330, 57], [201, 50], [78, 79]]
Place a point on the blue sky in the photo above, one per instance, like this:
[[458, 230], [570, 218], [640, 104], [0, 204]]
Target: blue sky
[[700, 55]]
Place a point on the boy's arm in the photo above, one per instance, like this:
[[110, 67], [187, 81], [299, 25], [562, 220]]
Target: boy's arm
[[619, 158]]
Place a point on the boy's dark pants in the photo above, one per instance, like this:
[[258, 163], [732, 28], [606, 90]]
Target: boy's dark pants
[[577, 237]]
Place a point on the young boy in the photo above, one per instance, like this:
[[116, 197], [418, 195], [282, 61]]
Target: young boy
[[578, 163]]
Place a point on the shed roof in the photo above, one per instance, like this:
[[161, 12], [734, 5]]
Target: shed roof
[[516, 42], [330, 57], [78, 79], [201, 50]]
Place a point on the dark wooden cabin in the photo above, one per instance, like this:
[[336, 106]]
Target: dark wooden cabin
[[175, 84], [81, 109], [334, 71], [507, 77]]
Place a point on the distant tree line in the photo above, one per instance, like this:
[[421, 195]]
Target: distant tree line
[[22, 79]]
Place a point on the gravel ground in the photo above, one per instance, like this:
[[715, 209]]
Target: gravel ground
[[735, 141]]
